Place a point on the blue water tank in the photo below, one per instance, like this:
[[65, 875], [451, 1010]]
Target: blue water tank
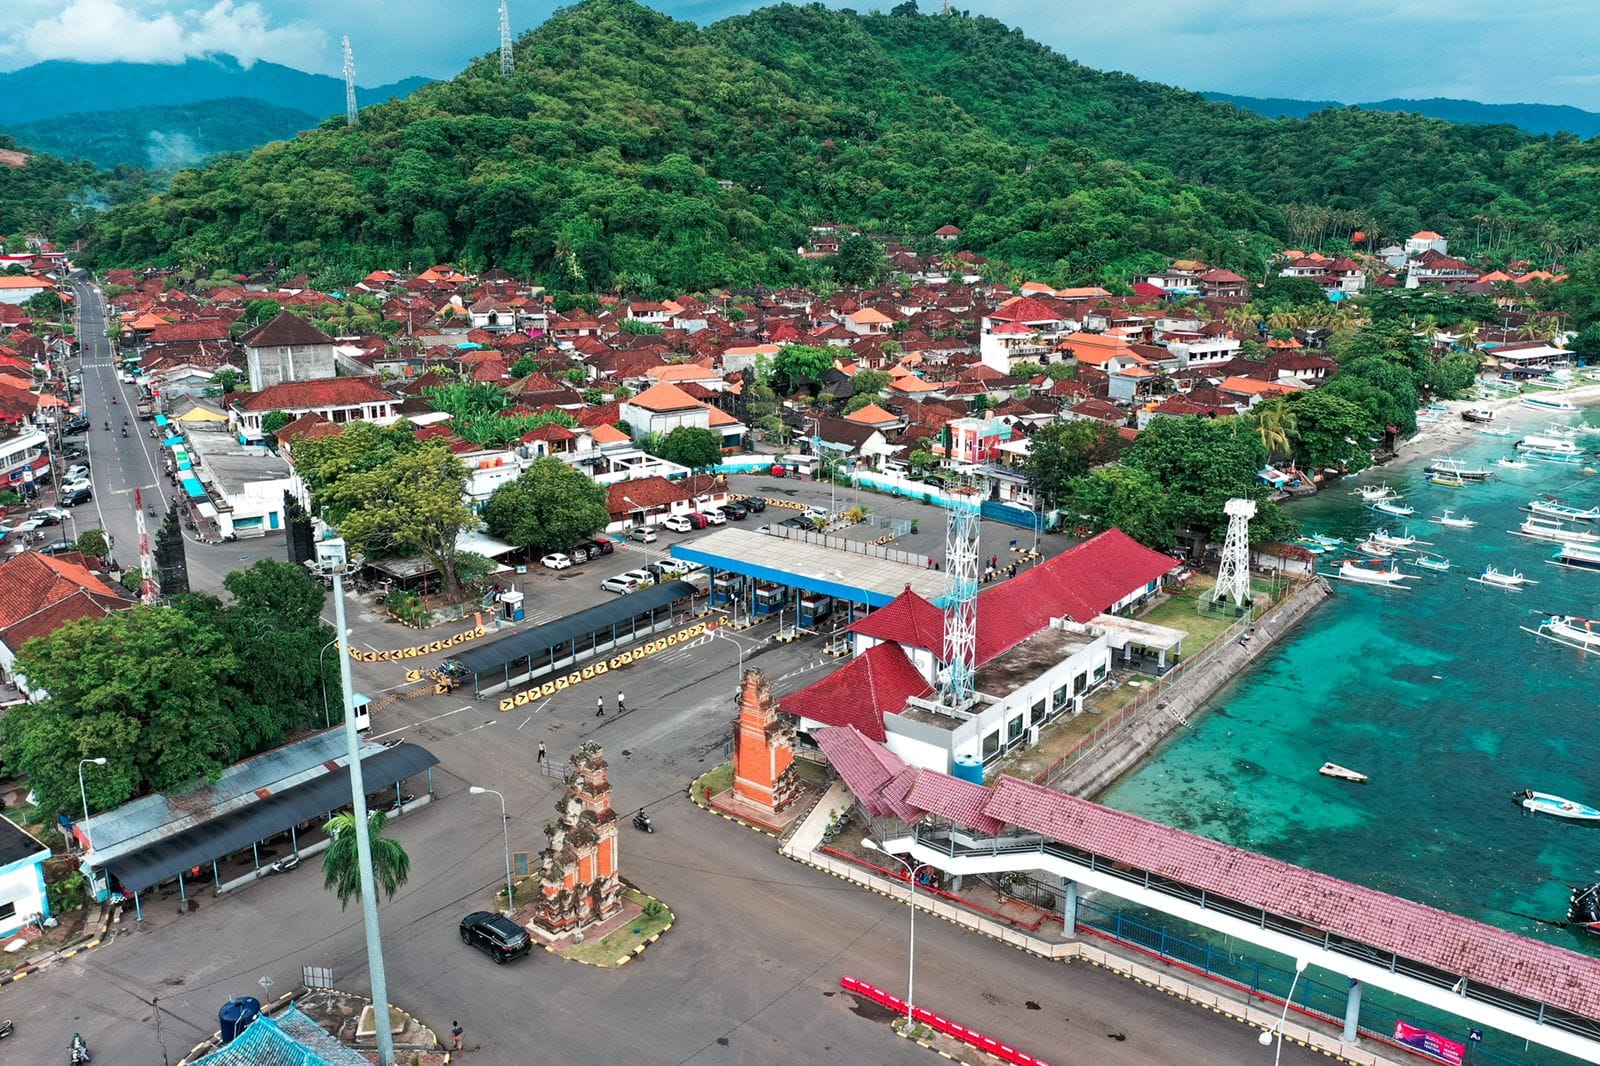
[[968, 768], [236, 1015]]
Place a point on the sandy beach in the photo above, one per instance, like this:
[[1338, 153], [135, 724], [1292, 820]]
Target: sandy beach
[[1450, 431]]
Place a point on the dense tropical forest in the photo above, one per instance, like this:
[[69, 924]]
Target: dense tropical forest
[[163, 137], [632, 151], [49, 195]]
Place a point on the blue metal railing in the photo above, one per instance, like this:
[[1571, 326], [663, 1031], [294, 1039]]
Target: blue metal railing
[[1273, 982]]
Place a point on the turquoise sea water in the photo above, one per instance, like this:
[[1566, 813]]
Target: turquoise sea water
[[1434, 693]]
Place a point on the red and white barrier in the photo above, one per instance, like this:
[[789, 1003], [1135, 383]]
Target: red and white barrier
[[944, 1025]]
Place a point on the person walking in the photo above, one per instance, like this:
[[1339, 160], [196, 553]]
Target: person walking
[[541, 753], [622, 704], [599, 706], [455, 1035]]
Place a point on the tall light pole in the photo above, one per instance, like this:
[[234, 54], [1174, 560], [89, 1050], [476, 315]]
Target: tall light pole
[[1265, 1039], [718, 631], [911, 951], [327, 722], [332, 554], [83, 792], [505, 832]]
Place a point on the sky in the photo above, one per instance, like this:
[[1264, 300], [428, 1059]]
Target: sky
[[1532, 51]]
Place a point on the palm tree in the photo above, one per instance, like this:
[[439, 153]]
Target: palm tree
[[341, 866], [1275, 425]]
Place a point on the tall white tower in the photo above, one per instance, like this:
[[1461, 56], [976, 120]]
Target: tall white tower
[[505, 40], [1233, 574], [961, 591], [349, 85]]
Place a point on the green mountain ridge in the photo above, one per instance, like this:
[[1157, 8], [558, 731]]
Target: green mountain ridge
[[597, 164], [163, 137], [1537, 119]]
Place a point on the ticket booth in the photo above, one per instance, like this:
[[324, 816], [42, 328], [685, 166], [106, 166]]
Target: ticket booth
[[814, 609], [361, 707], [769, 599], [511, 608], [726, 589]]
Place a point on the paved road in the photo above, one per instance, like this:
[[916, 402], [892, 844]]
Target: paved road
[[749, 974]]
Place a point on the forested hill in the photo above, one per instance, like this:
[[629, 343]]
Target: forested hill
[[598, 163], [1530, 118], [163, 137]]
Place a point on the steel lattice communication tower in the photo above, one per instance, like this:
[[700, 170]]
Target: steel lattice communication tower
[[149, 581], [349, 85], [505, 40], [961, 591], [1233, 573]]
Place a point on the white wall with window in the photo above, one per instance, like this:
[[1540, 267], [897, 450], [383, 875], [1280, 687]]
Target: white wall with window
[[22, 892]]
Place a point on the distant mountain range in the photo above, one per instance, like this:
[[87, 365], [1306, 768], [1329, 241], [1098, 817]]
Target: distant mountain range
[[64, 87], [162, 137], [1530, 118]]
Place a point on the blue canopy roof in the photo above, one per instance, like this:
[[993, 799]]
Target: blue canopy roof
[[161, 420], [172, 441], [193, 487]]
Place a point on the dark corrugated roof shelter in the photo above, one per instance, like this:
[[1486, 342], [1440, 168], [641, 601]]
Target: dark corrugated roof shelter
[[239, 828]]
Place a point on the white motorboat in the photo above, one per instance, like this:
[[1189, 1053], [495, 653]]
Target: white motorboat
[[1378, 574], [1547, 403], [1454, 468], [1372, 547], [1577, 557], [1392, 506], [1384, 539], [1325, 540], [1433, 562], [1561, 807], [1551, 507], [1450, 519], [1343, 773], [1560, 432], [1546, 529], [1566, 629], [1373, 493], [1506, 462], [1501, 580]]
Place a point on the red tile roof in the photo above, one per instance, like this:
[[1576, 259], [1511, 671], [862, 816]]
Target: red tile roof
[[286, 330], [862, 691], [308, 395], [40, 593], [644, 493], [908, 619], [865, 766]]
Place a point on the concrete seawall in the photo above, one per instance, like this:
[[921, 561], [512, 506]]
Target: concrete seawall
[[1100, 768]]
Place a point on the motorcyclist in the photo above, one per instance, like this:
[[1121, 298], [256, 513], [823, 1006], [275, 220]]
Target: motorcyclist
[[108, 423]]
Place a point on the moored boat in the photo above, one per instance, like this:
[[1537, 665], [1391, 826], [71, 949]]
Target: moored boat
[[1454, 521], [1379, 573], [1577, 557], [1501, 580], [1554, 508], [1548, 403], [1568, 629], [1307, 544], [1549, 529], [1372, 547], [1561, 807], [1343, 773], [1448, 467], [1478, 414], [1392, 506], [1550, 449], [1373, 493], [1449, 481], [1511, 464], [1326, 541], [1433, 562], [1384, 539], [1583, 909]]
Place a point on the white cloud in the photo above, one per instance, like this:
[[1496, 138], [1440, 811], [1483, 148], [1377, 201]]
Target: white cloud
[[139, 31]]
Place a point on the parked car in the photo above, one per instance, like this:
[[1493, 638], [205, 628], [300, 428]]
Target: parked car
[[76, 472], [74, 484], [678, 524], [48, 516], [755, 503], [697, 520], [642, 535], [73, 497], [765, 528], [579, 553], [674, 567], [736, 511], [76, 425], [715, 517], [56, 547], [600, 546], [556, 561], [69, 454], [628, 582], [502, 938], [816, 511], [798, 522], [935, 480]]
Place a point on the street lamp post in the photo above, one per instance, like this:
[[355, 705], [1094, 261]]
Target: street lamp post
[[332, 554], [718, 631], [911, 951], [1265, 1039], [327, 721], [505, 831], [83, 792]]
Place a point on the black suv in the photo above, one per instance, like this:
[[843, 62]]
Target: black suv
[[755, 503], [736, 511], [495, 933], [75, 497]]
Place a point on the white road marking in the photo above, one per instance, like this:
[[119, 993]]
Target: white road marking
[[425, 721]]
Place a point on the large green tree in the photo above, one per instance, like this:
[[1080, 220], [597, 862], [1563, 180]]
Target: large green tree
[[692, 447], [860, 261], [549, 507], [1331, 433], [799, 365], [1129, 499], [410, 505], [1060, 452]]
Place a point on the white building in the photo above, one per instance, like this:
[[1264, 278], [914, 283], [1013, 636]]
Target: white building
[[22, 893]]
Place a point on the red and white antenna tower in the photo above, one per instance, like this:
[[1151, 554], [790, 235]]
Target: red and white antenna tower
[[149, 583]]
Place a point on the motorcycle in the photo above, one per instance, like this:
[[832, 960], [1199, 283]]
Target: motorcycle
[[80, 1050], [285, 864], [400, 803], [108, 425], [124, 430], [642, 821]]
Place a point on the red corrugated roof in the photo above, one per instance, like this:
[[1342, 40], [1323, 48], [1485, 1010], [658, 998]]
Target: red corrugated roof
[[866, 767], [861, 692]]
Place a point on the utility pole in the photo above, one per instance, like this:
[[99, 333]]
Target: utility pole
[[505, 40], [349, 85]]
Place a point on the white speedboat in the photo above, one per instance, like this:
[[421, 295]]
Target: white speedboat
[[1343, 773], [1501, 580], [1453, 521], [1447, 467], [1566, 629], [1394, 507], [1550, 449], [1551, 507], [1577, 557], [1433, 562], [1377, 573], [1373, 493], [1547, 529], [1507, 463], [1545, 803], [1541, 402]]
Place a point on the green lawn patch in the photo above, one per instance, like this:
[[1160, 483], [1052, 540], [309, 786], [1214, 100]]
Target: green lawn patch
[[718, 781], [610, 949]]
